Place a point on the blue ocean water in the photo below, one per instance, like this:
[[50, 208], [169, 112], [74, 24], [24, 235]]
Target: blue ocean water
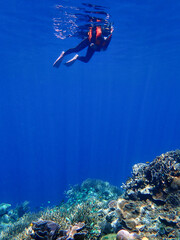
[[95, 120]]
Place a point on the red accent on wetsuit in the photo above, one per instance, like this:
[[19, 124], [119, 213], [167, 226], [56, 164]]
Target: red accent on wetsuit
[[98, 35], [106, 41], [98, 38], [90, 34]]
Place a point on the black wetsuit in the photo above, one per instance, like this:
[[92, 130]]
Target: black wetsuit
[[92, 47]]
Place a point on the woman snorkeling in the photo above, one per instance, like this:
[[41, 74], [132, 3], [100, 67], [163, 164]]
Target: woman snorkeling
[[99, 37]]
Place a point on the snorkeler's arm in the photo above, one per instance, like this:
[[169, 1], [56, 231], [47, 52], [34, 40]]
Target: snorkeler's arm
[[107, 39], [107, 42]]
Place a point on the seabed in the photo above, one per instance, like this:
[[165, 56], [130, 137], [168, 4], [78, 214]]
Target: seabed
[[147, 206]]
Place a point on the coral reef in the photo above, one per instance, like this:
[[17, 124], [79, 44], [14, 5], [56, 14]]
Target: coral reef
[[157, 180], [150, 205], [4, 217], [9, 216], [21, 209], [51, 230], [93, 188], [19, 229], [149, 208], [4, 207], [74, 232], [85, 204]]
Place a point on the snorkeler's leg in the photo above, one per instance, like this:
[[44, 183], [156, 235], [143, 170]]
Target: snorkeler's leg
[[85, 59], [58, 60], [79, 47], [71, 61], [88, 56]]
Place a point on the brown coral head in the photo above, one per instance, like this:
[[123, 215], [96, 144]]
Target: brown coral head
[[79, 226], [131, 209], [125, 235], [75, 229], [120, 214], [176, 183], [112, 204], [121, 203], [127, 210], [130, 224]]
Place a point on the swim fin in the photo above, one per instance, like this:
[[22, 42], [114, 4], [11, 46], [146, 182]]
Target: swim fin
[[71, 61], [58, 60]]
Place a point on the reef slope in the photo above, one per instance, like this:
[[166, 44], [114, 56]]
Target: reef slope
[[148, 207]]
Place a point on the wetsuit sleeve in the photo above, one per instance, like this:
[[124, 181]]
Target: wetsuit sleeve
[[107, 42]]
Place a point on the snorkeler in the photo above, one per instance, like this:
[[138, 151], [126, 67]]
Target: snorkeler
[[98, 39]]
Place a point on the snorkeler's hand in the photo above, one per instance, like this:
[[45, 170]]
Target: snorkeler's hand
[[93, 46]]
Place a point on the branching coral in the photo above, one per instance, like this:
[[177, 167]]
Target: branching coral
[[17, 230]]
